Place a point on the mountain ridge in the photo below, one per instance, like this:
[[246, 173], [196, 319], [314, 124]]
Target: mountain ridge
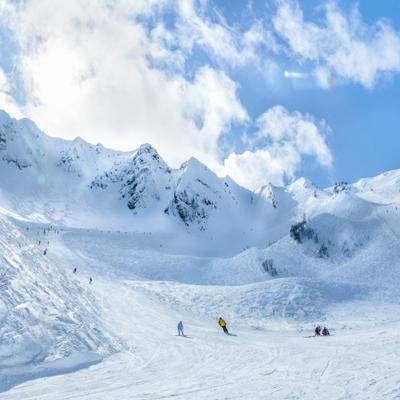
[[75, 182]]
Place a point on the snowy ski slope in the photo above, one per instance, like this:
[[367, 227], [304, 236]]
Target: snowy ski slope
[[164, 245]]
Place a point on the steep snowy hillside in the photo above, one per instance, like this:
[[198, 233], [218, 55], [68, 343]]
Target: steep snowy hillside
[[45, 315], [46, 178], [192, 196], [25, 146], [384, 188], [141, 181]]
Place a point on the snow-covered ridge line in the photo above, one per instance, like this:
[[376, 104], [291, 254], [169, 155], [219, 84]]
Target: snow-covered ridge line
[[23, 144], [83, 182], [80, 178]]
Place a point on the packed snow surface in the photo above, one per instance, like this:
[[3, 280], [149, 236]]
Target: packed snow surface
[[163, 245]]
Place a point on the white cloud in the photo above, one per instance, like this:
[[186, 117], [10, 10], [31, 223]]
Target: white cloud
[[271, 74], [285, 138], [92, 71], [296, 129], [7, 102], [353, 50], [84, 65], [225, 43], [211, 102], [253, 169]]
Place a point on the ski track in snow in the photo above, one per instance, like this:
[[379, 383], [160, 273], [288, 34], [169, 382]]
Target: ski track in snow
[[357, 363], [359, 360], [209, 367], [253, 365]]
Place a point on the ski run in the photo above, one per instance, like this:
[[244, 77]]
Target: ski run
[[102, 253]]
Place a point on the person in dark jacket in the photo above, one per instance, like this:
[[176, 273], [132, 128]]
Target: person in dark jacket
[[325, 331], [180, 329], [317, 330]]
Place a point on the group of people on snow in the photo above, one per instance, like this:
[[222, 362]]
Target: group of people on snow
[[75, 270], [321, 331], [318, 331], [221, 323]]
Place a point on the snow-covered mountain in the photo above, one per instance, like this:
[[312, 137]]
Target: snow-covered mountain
[[24, 146], [164, 244], [42, 169], [65, 182]]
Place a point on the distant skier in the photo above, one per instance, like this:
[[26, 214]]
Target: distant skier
[[90, 280], [325, 331], [180, 329], [75, 270], [45, 251], [222, 324], [317, 330]]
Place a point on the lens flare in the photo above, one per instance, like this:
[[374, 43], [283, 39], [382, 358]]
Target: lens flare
[[321, 76], [295, 75], [324, 78]]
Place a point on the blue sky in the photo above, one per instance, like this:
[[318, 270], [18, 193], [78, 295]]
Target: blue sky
[[260, 90]]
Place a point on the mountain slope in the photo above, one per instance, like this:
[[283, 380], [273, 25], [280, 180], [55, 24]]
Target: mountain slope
[[45, 314], [165, 244]]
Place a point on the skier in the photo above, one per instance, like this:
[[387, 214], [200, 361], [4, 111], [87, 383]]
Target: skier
[[222, 324], [325, 331], [90, 280], [180, 329], [317, 330], [75, 270], [45, 251]]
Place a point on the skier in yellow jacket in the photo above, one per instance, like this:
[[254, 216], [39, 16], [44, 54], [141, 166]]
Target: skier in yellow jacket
[[222, 324]]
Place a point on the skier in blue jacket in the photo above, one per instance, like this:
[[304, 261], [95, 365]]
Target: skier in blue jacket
[[180, 329]]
